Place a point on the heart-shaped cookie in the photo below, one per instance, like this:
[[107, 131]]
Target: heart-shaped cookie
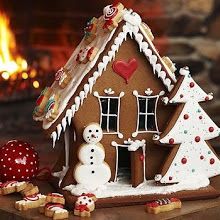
[[125, 69]]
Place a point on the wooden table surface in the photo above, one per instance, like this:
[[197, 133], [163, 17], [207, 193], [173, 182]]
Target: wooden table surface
[[201, 209]]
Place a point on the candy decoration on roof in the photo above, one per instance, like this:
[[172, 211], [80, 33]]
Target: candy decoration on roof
[[51, 108], [18, 161], [90, 30], [63, 77], [41, 102], [188, 132], [86, 54], [147, 31], [112, 16]]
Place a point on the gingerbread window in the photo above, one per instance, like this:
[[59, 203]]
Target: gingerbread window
[[147, 113], [110, 113]]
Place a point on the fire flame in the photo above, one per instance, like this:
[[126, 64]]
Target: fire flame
[[10, 62]]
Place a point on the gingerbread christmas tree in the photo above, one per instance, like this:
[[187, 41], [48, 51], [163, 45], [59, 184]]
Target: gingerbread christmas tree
[[188, 132]]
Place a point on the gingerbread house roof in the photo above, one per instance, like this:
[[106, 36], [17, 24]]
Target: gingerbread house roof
[[130, 24]]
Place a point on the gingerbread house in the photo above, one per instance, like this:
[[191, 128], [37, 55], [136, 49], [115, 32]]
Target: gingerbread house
[[107, 103]]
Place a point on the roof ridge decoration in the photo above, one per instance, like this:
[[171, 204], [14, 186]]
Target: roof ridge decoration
[[140, 32]]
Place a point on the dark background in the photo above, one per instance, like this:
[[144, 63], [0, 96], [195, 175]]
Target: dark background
[[186, 30]]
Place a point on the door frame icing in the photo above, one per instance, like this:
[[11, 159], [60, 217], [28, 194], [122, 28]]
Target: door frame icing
[[131, 146]]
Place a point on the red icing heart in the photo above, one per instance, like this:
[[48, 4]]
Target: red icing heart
[[125, 69]]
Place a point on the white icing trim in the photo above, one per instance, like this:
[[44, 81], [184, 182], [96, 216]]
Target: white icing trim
[[109, 91], [189, 90], [59, 129], [184, 71], [149, 91], [131, 146], [54, 137], [96, 94], [130, 28], [149, 187], [67, 146], [135, 93], [62, 173]]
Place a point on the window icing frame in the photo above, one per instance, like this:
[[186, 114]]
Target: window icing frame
[[108, 115], [146, 97]]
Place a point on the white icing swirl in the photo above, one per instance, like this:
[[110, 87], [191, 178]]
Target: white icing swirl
[[109, 12]]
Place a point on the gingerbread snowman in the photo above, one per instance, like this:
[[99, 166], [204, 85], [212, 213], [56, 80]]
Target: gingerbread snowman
[[92, 171]]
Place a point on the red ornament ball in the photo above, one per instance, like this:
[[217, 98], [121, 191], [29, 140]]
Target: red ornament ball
[[211, 129], [170, 178], [197, 139], [18, 161], [200, 117], [171, 141], [192, 84], [186, 116], [201, 157], [181, 96], [184, 160], [212, 161]]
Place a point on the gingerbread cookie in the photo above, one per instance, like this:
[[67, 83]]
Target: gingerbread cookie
[[90, 30], [112, 16], [30, 190], [12, 186], [163, 205], [20, 186], [86, 54], [90, 195], [51, 108], [30, 202], [41, 208], [41, 102], [55, 198], [84, 205], [63, 77], [8, 187], [55, 211]]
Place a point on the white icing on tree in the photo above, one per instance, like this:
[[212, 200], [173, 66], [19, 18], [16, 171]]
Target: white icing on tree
[[92, 172], [190, 131]]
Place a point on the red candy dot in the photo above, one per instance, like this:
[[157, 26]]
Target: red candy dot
[[200, 117], [211, 129], [181, 96], [212, 161], [170, 177], [186, 116], [184, 160], [141, 157], [171, 141], [192, 84], [201, 157], [197, 139], [206, 98]]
